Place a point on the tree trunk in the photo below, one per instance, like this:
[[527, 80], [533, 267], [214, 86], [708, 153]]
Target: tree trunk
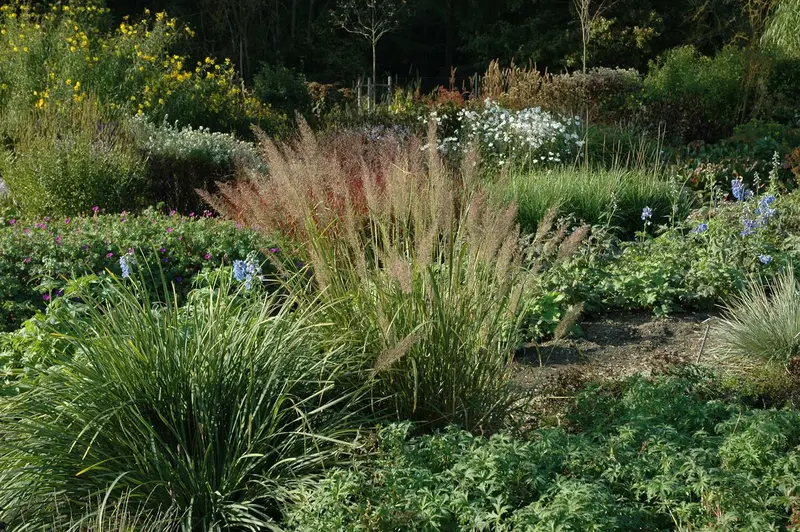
[[374, 69]]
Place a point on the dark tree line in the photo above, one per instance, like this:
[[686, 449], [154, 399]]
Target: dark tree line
[[434, 35]]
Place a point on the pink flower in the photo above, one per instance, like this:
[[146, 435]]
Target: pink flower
[[207, 256], [27, 260], [58, 240], [46, 297], [130, 251], [27, 230], [191, 215], [67, 221], [109, 255], [96, 209], [172, 212], [169, 229], [12, 221]]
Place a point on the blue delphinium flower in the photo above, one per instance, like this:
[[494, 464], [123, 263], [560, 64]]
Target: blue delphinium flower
[[126, 268], [239, 270], [647, 213], [749, 227], [737, 188], [246, 270], [765, 259], [701, 228]]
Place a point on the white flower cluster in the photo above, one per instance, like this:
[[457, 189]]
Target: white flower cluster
[[530, 135], [187, 143]]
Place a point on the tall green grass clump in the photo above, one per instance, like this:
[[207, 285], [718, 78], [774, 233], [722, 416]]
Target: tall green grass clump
[[416, 260], [68, 160], [763, 322], [193, 418], [597, 196]]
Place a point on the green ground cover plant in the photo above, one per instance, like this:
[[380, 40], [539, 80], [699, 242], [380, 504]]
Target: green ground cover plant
[[662, 454]]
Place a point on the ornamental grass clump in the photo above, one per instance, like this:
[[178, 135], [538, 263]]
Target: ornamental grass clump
[[193, 418], [763, 322], [417, 263]]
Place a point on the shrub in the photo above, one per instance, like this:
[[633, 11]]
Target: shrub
[[244, 397], [183, 159], [71, 51], [755, 150], [65, 163], [526, 138], [282, 89], [38, 257], [697, 97], [420, 262], [611, 94], [762, 322]]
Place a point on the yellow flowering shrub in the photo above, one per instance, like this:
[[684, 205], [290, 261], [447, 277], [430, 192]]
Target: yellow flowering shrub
[[56, 55]]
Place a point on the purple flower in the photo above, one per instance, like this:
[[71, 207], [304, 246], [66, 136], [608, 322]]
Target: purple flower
[[130, 251], [67, 221], [238, 225], [172, 212], [169, 229], [178, 279], [208, 214], [46, 218], [96, 209], [109, 255], [58, 240], [647, 213], [27, 230], [12, 221], [207, 256], [46, 297], [162, 250], [84, 247], [165, 260], [274, 250], [59, 292], [765, 259], [191, 215]]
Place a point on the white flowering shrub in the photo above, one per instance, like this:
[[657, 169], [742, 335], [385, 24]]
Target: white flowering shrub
[[187, 143], [527, 137]]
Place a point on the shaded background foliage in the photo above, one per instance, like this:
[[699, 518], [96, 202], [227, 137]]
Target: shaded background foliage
[[434, 36]]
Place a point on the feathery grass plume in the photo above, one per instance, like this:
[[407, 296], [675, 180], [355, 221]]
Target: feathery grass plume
[[428, 252], [570, 318], [199, 415], [570, 244], [762, 323]]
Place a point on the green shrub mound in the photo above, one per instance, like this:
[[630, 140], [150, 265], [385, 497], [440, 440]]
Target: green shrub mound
[[644, 455], [39, 257]]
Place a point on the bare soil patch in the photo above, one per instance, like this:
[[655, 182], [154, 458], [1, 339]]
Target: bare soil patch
[[609, 348]]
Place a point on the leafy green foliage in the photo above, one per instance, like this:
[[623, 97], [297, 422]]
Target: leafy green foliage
[[697, 97], [39, 257], [650, 455], [203, 415]]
